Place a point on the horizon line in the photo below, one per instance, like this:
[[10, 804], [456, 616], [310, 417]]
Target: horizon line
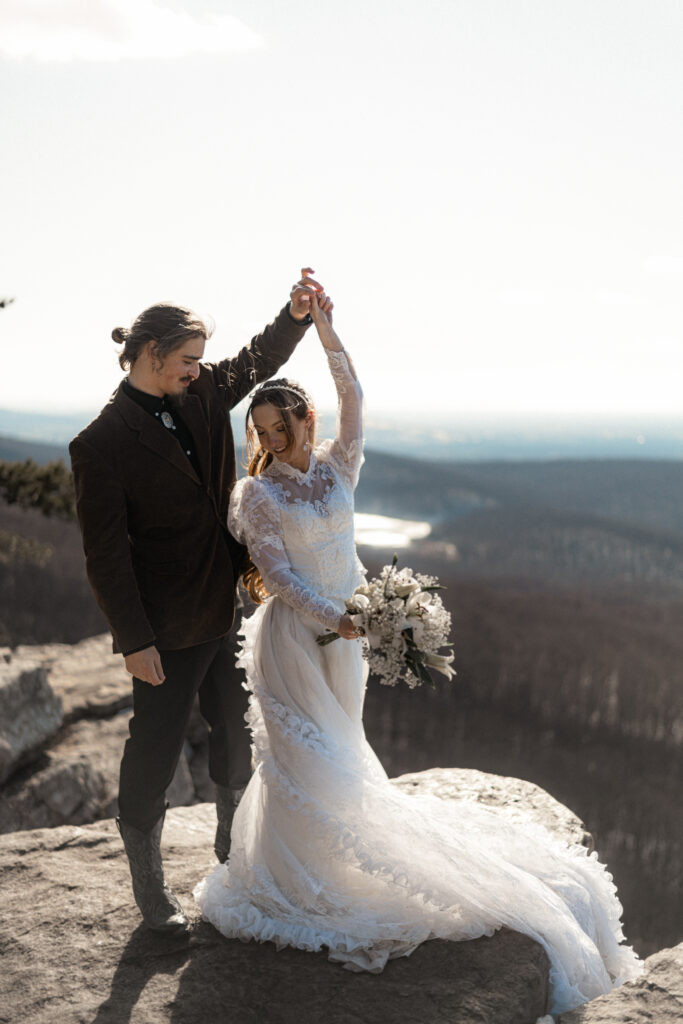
[[446, 416]]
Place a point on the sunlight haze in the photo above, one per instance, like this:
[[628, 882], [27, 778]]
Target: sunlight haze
[[489, 190]]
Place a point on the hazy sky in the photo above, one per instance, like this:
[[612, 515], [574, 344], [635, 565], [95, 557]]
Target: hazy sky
[[490, 189]]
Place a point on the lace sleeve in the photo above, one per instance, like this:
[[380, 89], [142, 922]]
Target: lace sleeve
[[347, 449], [255, 520]]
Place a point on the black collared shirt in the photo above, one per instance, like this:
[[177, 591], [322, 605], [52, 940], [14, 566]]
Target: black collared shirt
[[168, 417]]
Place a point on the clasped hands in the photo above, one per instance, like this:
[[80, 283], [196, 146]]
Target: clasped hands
[[308, 297]]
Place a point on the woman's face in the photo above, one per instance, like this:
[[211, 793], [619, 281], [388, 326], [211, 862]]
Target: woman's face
[[272, 434]]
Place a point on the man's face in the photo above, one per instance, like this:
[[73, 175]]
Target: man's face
[[181, 367]]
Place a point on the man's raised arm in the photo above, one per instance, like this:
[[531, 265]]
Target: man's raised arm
[[267, 351]]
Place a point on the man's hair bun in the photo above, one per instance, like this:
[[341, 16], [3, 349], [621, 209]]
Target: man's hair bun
[[167, 325]]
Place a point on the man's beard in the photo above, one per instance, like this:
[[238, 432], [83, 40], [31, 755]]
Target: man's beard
[[179, 398]]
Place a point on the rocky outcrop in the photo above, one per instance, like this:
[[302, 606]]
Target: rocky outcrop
[[74, 951], [64, 714], [90, 680], [515, 799], [30, 712], [71, 944], [76, 780], [78, 953], [654, 998]]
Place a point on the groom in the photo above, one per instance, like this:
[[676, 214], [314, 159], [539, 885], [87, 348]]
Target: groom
[[153, 474]]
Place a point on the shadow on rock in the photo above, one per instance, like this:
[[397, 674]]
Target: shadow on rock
[[497, 980], [145, 955]]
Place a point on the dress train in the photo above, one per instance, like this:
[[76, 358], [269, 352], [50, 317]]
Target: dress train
[[326, 853]]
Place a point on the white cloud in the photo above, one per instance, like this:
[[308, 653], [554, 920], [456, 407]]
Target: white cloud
[[108, 30]]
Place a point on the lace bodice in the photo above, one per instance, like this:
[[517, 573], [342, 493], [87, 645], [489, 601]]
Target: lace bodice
[[299, 526]]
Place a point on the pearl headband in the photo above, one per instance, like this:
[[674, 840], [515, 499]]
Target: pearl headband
[[280, 387]]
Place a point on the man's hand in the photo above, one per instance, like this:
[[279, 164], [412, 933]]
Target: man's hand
[[146, 665], [300, 295]]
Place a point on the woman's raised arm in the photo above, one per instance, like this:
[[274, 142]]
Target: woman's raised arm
[[349, 435]]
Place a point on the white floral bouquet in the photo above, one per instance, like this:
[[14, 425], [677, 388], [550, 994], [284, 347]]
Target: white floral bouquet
[[404, 622]]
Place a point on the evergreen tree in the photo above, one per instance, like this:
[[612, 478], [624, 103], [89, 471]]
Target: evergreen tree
[[48, 488]]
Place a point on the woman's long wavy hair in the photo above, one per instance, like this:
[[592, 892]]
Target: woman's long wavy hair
[[292, 401]]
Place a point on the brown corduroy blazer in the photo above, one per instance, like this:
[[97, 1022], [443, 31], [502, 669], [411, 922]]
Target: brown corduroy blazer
[[159, 557]]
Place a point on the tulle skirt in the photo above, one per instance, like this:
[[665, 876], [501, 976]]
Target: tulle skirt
[[326, 853]]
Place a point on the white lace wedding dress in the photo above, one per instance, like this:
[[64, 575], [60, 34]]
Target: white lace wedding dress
[[325, 852]]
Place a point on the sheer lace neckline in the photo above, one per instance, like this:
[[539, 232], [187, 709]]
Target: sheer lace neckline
[[277, 468]]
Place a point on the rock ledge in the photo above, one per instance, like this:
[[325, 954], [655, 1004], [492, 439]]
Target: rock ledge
[[74, 951]]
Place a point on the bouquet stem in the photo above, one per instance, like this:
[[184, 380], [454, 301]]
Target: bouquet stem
[[327, 638]]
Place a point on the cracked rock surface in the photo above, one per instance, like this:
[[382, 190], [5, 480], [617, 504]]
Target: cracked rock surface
[[73, 951], [654, 998], [30, 712], [90, 681], [76, 780], [515, 799], [64, 712]]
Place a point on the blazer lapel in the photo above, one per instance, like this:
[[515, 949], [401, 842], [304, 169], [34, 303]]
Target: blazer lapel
[[153, 435], [192, 413]]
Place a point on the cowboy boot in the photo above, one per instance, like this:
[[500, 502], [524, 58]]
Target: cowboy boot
[[159, 907], [226, 804]]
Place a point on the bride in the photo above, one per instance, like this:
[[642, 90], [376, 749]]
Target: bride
[[325, 851]]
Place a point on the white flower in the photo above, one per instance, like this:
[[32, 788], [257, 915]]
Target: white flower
[[403, 589], [404, 626], [417, 602], [417, 627], [442, 663], [375, 640]]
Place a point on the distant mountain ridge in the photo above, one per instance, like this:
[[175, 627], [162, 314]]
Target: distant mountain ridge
[[13, 449], [645, 496], [455, 438], [644, 493], [43, 428]]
